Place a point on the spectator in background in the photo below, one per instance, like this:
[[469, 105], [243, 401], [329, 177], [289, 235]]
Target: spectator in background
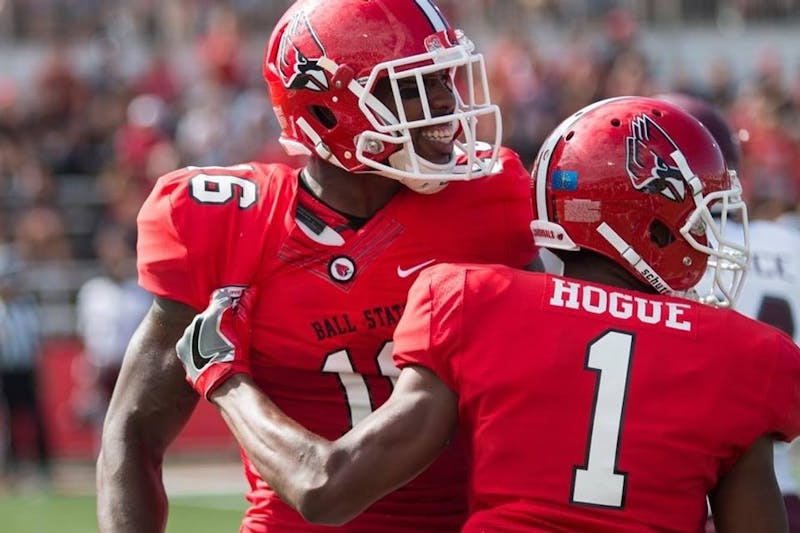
[[220, 50], [202, 130], [770, 152], [140, 134], [109, 308], [20, 344], [61, 96], [40, 235], [526, 92], [159, 77], [721, 83], [623, 64]]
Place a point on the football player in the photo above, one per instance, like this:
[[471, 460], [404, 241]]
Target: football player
[[771, 292], [603, 400], [385, 99]]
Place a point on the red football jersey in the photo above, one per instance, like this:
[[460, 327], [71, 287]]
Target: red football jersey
[[330, 299], [592, 408]]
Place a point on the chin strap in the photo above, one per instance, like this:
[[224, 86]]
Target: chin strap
[[635, 260]]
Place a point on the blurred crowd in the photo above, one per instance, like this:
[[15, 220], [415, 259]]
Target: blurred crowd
[[140, 88], [125, 91]]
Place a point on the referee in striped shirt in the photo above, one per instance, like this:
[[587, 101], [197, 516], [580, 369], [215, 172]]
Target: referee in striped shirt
[[20, 343]]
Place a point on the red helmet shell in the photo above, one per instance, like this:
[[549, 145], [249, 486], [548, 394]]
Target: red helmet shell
[[356, 35], [618, 162]]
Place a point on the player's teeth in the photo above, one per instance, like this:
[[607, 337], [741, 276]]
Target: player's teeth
[[444, 134]]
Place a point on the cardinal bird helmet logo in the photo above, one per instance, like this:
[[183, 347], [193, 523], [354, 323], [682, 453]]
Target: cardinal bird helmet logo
[[299, 54], [650, 162]]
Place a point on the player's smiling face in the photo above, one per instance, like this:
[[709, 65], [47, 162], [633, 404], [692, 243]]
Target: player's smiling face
[[434, 143]]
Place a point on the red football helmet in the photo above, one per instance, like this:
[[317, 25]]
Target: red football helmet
[[633, 179], [324, 61]]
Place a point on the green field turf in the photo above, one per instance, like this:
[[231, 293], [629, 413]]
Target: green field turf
[[76, 514]]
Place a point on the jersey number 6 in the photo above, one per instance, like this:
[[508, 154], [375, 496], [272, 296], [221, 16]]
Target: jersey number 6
[[222, 188]]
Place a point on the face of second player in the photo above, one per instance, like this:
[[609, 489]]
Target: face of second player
[[432, 142]]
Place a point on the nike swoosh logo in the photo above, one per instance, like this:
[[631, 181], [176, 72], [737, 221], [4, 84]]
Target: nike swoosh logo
[[207, 341], [199, 359], [404, 273]]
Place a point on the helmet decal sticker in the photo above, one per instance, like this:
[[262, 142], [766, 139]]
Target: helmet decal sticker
[[298, 60], [649, 162], [565, 180], [580, 210]]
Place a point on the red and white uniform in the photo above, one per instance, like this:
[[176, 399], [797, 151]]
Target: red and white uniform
[[330, 299], [592, 408]]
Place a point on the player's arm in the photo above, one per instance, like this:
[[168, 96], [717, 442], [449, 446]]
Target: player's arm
[[747, 499], [327, 482], [331, 482], [150, 405]]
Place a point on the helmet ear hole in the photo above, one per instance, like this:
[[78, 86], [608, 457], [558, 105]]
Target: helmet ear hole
[[660, 234], [324, 115]]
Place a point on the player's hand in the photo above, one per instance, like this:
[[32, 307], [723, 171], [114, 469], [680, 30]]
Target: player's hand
[[216, 344]]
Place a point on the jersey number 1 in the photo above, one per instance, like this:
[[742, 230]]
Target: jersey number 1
[[597, 481]]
